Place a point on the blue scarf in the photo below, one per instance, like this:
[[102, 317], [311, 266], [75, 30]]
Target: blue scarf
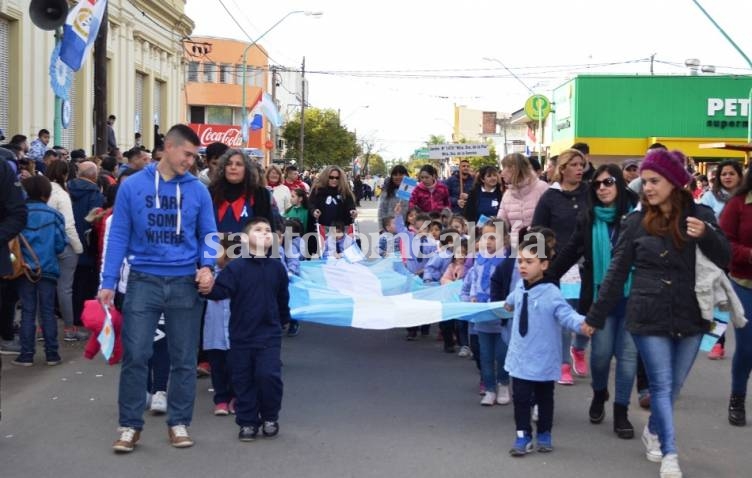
[[603, 216]]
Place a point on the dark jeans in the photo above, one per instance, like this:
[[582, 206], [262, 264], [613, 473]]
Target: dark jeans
[[425, 329], [43, 293], [462, 333], [85, 285], [448, 328], [159, 364], [149, 297], [475, 349], [523, 392], [8, 300], [741, 365], [257, 382], [220, 375]]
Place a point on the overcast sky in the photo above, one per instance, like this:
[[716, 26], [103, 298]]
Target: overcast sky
[[381, 63]]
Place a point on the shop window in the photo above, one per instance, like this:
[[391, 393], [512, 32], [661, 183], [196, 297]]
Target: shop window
[[219, 115], [198, 114]]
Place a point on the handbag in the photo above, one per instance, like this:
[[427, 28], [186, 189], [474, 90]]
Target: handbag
[[19, 265]]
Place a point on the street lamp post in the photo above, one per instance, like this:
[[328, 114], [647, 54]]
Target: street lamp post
[[244, 112]]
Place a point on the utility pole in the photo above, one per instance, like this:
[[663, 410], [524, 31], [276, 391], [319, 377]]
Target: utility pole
[[100, 87], [272, 152], [652, 59], [301, 148]]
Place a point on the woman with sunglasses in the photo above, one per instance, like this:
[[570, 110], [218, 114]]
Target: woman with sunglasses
[[656, 252], [332, 199], [594, 238]]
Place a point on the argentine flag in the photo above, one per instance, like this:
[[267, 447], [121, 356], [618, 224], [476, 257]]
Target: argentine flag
[[378, 295], [106, 337], [80, 31]]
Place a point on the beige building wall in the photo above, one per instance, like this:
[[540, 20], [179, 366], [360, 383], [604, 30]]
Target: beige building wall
[[138, 44]]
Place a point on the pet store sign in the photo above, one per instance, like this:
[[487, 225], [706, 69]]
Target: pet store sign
[[726, 113]]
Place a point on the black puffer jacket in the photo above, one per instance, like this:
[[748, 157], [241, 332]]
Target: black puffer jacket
[[662, 300], [13, 211]]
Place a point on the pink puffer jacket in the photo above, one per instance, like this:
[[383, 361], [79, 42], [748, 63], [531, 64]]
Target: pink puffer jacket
[[518, 204]]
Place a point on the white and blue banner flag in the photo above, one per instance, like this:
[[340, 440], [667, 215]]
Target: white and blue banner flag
[[406, 188], [380, 294], [80, 31]]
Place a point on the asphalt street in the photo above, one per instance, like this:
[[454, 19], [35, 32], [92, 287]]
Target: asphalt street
[[356, 404]]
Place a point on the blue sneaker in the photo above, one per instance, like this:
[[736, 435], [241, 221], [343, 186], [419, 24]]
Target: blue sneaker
[[545, 445], [24, 360], [522, 445]]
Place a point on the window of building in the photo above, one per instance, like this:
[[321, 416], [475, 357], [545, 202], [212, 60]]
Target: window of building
[[224, 74], [209, 72], [219, 115], [198, 114], [139, 120], [159, 97], [193, 71]]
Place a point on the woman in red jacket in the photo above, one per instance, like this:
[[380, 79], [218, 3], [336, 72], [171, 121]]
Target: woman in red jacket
[[736, 223], [429, 195]]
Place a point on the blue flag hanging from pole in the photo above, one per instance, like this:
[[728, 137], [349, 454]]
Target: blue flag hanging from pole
[[80, 31]]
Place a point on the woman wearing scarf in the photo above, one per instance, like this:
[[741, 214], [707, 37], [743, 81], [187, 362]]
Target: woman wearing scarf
[[594, 238]]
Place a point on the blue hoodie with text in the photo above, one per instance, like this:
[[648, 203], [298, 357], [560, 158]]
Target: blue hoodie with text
[[164, 228]]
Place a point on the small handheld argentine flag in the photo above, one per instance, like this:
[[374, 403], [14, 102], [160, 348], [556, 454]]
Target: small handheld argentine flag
[[106, 337], [80, 31], [353, 254]]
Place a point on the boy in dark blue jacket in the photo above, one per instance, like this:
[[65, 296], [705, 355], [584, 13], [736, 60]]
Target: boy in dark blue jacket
[[259, 306]]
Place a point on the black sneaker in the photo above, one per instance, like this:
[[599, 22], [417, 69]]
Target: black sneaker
[[293, 329], [248, 433], [270, 429], [54, 359], [24, 360]]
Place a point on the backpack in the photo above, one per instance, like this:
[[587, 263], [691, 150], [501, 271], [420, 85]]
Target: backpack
[[19, 264]]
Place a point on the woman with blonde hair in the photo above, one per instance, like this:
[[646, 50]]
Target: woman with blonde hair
[[523, 191], [332, 199], [280, 192], [557, 210]]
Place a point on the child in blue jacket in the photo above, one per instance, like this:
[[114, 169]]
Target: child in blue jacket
[[45, 234], [259, 307], [534, 354]]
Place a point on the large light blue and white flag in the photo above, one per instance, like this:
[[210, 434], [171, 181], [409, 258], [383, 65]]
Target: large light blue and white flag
[[80, 31], [379, 295]]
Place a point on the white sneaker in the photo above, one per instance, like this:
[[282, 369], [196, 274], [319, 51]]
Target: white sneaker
[[489, 398], [535, 413], [502, 394], [670, 466], [159, 403], [464, 352], [652, 447]]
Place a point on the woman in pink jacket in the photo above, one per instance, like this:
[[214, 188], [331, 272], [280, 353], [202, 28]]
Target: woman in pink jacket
[[524, 189], [429, 195]]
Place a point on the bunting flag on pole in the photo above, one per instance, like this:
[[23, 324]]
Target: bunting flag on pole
[[379, 295], [269, 109], [80, 31], [257, 122], [106, 337]]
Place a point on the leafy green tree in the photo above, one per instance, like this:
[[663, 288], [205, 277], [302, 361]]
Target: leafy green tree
[[377, 166], [477, 162], [327, 142]]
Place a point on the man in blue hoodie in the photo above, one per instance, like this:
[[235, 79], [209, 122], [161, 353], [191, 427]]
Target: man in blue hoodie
[[163, 224]]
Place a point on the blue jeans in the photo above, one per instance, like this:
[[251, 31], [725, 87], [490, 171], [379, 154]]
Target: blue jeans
[[668, 361], [741, 365], [614, 341], [147, 298], [43, 293], [493, 353]]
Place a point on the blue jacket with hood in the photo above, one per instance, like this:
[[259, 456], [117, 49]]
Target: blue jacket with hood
[[164, 228]]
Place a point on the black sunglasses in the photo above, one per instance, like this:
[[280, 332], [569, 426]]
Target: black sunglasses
[[333, 177], [608, 182]]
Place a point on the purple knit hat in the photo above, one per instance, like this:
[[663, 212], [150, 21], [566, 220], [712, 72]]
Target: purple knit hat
[[669, 164]]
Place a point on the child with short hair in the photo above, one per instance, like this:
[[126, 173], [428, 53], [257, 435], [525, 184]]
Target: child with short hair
[[336, 243], [259, 303], [534, 355], [439, 262], [45, 235], [389, 242]]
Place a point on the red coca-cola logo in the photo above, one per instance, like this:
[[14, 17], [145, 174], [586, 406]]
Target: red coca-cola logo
[[213, 133]]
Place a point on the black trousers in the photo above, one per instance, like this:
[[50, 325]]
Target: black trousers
[[85, 285], [448, 328], [8, 300], [523, 392], [257, 383]]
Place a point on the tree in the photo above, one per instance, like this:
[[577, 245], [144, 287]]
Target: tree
[[477, 162], [327, 142], [377, 166]]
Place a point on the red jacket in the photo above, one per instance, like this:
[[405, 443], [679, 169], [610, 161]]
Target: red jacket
[[430, 200], [736, 223]]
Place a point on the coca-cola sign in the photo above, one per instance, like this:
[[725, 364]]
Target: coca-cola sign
[[221, 133]]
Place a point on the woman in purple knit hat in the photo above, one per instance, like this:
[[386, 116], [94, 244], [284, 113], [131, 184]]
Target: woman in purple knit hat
[[657, 246]]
